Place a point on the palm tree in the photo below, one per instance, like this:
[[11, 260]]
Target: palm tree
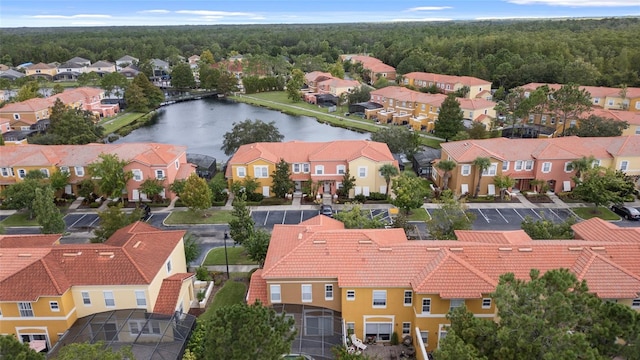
[[388, 171], [446, 166], [503, 182], [583, 164], [482, 164]]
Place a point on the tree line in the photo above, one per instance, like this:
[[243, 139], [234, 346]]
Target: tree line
[[509, 53]]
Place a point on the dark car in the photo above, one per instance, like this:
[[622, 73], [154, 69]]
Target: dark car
[[326, 210], [146, 212], [627, 212]]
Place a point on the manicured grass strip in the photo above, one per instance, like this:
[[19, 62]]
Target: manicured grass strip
[[19, 219], [112, 124], [601, 212], [236, 256], [206, 217], [232, 292], [418, 215]]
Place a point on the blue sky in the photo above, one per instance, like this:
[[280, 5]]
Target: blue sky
[[54, 13]]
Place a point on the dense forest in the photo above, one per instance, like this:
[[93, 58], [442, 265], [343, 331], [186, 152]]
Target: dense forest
[[602, 52]]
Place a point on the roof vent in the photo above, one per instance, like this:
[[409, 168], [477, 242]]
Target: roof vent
[[24, 255], [135, 246], [505, 249], [319, 241], [433, 249], [577, 248], [299, 236], [525, 249], [456, 249], [73, 254], [385, 249], [109, 254], [365, 242], [597, 248]]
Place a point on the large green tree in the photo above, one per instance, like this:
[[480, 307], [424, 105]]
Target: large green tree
[[152, 188], [69, 126], [399, 140], [12, 348], [196, 194], [49, 217], [182, 76], [410, 192], [114, 84], [257, 245], [543, 228], [354, 217], [449, 121], [98, 350], [446, 166], [281, 183], [294, 85], [110, 175], [111, 220], [481, 165], [569, 102], [241, 226], [599, 186], [20, 196], [28, 91], [247, 332], [142, 96], [450, 215], [388, 171], [250, 131], [597, 126]]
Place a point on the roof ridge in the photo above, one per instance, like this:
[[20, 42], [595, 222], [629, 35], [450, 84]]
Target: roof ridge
[[473, 269], [135, 263], [615, 265], [589, 260]]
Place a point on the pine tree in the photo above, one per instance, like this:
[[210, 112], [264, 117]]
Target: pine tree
[[281, 183], [449, 121]]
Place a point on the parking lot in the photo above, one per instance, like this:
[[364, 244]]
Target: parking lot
[[267, 219]]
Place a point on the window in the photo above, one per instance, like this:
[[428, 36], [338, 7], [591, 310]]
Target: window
[[341, 169], [442, 333], [141, 298], [505, 165], [328, 292], [568, 167], [79, 170], [491, 171], [528, 165], [595, 163], [86, 299], [424, 335], [351, 295], [16, 116], [638, 105], [137, 174], [160, 174], [362, 171], [635, 303], [144, 327], [25, 309], [64, 169], [351, 327], [109, 300], [241, 171], [177, 164], [296, 168], [45, 172], [306, 293], [379, 298], [546, 167], [553, 120], [406, 328], [408, 297], [638, 127], [275, 293], [531, 118], [518, 166], [486, 303], [306, 168], [22, 173], [455, 303], [5, 172], [319, 169], [624, 165], [465, 170], [610, 102], [426, 306], [544, 119], [54, 306], [379, 330], [596, 101], [261, 171], [169, 267]]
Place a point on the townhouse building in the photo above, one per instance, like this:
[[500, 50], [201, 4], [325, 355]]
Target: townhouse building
[[528, 159], [604, 97], [163, 162], [372, 283], [102, 67], [374, 68], [318, 84], [313, 78], [46, 287], [125, 61], [478, 88], [41, 70], [322, 163]]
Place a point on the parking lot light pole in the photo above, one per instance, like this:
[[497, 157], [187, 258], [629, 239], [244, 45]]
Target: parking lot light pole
[[226, 258]]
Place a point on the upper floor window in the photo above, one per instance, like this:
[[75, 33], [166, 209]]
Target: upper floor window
[[379, 298], [362, 171], [528, 165], [568, 166], [306, 293], [596, 101], [137, 174], [177, 164], [54, 306], [25, 309], [275, 293], [426, 306], [635, 303], [86, 299], [341, 169], [624, 165], [261, 171], [319, 169], [160, 174], [328, 292], [5, 171], [306, 168], [141, 298], [486, 303], [296, 168], [79, 170], [505, 165], [169, 266], [465, 170], [64, 169], [109, 300], [45, 172], [22, 173], [546, 167], [16, 116], [491, 171], [455, 303], [518, 165], [351, 295], [408, 297], [241, 171]]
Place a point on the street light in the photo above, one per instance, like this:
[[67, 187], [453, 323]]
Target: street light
[[226, 258]]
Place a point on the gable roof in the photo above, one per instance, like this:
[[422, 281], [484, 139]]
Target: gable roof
[[450, 79], [170, 292]]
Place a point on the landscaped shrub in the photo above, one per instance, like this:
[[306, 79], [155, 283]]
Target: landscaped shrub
[[360, 198], [202, 274], [377, 196]]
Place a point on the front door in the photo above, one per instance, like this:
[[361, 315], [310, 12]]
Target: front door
[[327, 187], [265, 191]]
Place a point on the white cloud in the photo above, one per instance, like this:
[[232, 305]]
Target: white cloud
[[532, 17], [578, 3], [420, 20], [88, 23], [213, 13], [157, 11], [78, 16], [429, 8]]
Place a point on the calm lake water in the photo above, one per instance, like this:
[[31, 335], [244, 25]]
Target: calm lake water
[[201, 125]]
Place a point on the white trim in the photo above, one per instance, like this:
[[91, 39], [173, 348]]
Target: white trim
[[325, 291], [302, 292], [352, 298], [545, 164], [271, 293], [386, 300]]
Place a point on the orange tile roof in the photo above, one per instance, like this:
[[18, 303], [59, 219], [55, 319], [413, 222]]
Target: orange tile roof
[[170, 292], [475, 104], [594, 91], [28, 241], [31, 105], [467, 268], [133, 255], [633, 118], [451, 79], [257, 288]]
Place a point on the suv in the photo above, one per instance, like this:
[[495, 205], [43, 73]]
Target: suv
[[627, 212], [326, 210]]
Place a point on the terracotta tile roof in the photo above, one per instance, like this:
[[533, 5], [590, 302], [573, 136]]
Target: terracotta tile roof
[[28, 241], [467, 268], [257, 289], [633, 118], [339, 83], [595, 91], [41, 66], [599, 230], [169, 293], [133, 255], [31, 105], [298, 151], [315, 75], [475, 104], [450, 79]]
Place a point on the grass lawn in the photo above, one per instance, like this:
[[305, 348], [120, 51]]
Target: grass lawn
[[284, 104], [232, 292], [189, 217], [602, 213], [235, 254], [19, 219], [418, 215], [113, 124]]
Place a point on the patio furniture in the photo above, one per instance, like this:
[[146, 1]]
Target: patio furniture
[[357, 342]]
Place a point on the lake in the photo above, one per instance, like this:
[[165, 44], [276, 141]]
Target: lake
[[201, 124]]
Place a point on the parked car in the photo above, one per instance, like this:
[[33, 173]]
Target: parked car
[[627, 212], [326, 210], [146, 212], [297, 357]]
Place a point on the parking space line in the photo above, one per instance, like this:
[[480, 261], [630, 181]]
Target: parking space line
[[537, 214], [484, 216], [81, 217], [505, 219], [149, 218], [284, 216], [521, 217], [94, 221], [301, 216], [266, 218], [558, 216], [428, 213]]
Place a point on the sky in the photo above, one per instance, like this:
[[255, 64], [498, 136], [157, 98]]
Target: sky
[[63, 13]]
